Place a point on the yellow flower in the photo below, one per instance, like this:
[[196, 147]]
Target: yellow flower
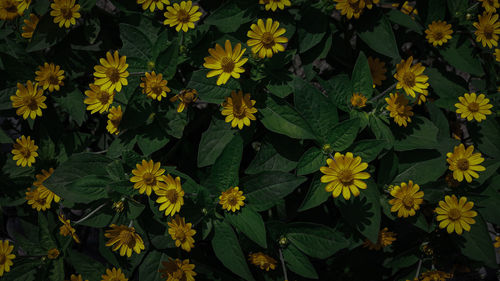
[[345, 175], [455, 215], [30, 26], [22, 6], [53, 253], [114, 119], [398, 107], [275, 4], [77, 277], [152, 4], [239, 109], [378, 70], [350, 8], [9, 10], [182, 16], [67, 230], [385, 238], [170, 195], [488, 28], [147, 176], [114, 275], [438, 33], [98, 100], [50, 77], [181, 233], [497, 55], [6, 256], [232, 199], [112, 73], [265, 39], [225, 62], [422, 97], [125, 239], [464, 164], [44, 191], [24, 151], [186, 97], [154, 86], [28, 100], [435, 275], [490, 5], [369, 3], [407, 199], [177, 270], [406, 8], [262, 260], [65, 12], [410, 78], [473, 107], [35, 199], [497, 242], [358, 100]]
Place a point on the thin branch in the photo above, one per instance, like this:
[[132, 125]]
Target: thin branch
[[384, 92], [91, 213], [283, 265], [418, 268]]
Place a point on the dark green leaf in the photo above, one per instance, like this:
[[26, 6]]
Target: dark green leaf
[[311, 161], [250, 223], [421, 133], [312, 28], [459, 53], [47, 34], [224, 172], [339, 90], [478, 245], [316, 195], [368, 150], [298, 262], [86, 266], [208, 89], [343, 134], [376, 32], [229, 17], [149, 268], [269, 159], [361, 77], [316, 240], [404, 20], [213, 141], [136, 44]]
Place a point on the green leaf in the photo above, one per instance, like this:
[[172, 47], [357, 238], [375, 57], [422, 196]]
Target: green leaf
[[422, 172], [151, 138], [381, 131], [166, 63], [266, 189], [298, 262], [488, 142], [339, 90], [376, 32], [312, 28], [362, 77], [136, 44], [4, 138], [227, 249], [447, 89], [23, 270], [250, 223], [459, 53], [152, 263], [316, 195], [72, 103], [368, 150], [343, 134], [47, 35], [137, 112], [229, 17], [316, 240], [422, 134], [224, 172], [57, 270], [279, 117], [86, 266], [270, 159], [213, 141], [436, 10], [478, 245], [208, 89], [45, 239], [405, 20], [311, 161]]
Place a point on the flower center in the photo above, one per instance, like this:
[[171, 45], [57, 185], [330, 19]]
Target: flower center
[[346, 177], [463, 164], [66, 13], [409, 79], [149, 179], [267, 40], [183, 16], [172, 196], [157, 90], [227, 64], [188, 97], [113, 75], [438, 36], [104, 97], [488, 32], [12, 8], [354, 5], [31, 103], [232, 200], [408, 201], [3, 259], [40, 201], [128, 238], [25, 152], [454, 214], [473, 107], [180, 235], [53, 79]]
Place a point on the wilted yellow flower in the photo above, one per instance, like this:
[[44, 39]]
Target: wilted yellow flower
[[411, 78], [50, 77], [239, 109], [473, 107], [114, 275], [344, 174], [350, 8], [406, 8], [465, 164], [407, 199], [377, 70], [24, 151], [262, 260], [232, 199], [275, 4], [225, 62], [185, 97], [114, 119], [147, 176], [53, 253], [9, 11], [170, 195], [358, 100], [7, 256], [385, 238], [455, 215], [490, 6], [266, 40], [154, 86], [488, 28], [67, 230], [182, 16], [125, 239], [177, 270], [112, 73], [65, 12], [397, 105], [44, 191], [28, 100], [181, 233], [30, 26], [152, 4], [438, 33]]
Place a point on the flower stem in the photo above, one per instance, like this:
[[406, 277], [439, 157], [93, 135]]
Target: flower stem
[[283, 265], [91, 213], [137, 73], [384, 92], [418, 268]]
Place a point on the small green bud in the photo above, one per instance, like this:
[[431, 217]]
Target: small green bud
[[204, 211], [327, 149], [151, 65], [182, 49], [468, 16], [283, 241]]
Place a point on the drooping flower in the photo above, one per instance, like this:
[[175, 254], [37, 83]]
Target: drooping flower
[[66, 229], [30, 26], [28, 100], [438, 33], [407, 199], [181, 232], [8, 9], [378, 70], [435, 275], [114, 119], [455, 214], [239, 109], [275, 4], [411, 78], [406, 8], [23, 6], [147, 176], [35, 199], [385, 238], [225, 62], [170, 195], [488, 28], [44, 191], [152, 5], [125, 239], [182, 16], [50, 77], [98, 100], [65, 12], [24, 151], [344, 174], [53, 253], [6, 256], [473, 107], [490, 6], [350, 8], [154, 86], [265, 39], [186, 97], [262, 260], [112, 73], [177, 270], [397, 105], [114, 275], [358, 100], [232, 199], [464, 164]]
